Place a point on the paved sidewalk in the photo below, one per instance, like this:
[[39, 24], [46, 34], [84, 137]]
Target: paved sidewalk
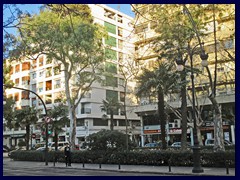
[[181, 171]]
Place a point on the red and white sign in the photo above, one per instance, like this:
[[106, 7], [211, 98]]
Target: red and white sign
[[48, 120]]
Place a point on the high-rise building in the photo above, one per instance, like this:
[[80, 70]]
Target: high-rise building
[[44, 77], [145, 43]]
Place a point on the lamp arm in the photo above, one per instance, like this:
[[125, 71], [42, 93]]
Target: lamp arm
[[194, 26]]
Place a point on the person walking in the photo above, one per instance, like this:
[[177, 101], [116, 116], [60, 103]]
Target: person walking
[[67, 153]]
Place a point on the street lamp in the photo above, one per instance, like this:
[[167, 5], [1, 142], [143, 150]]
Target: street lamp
[[196, 148], [13, 122]]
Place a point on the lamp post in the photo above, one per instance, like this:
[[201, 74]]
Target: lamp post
[[196, 148], [13, 125]]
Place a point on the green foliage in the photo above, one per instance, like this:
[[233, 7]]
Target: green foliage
[[107, 140], [21, 143], [144, 157]]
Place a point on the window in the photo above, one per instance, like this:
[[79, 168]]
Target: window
[[40, 61], [25, 95], [85, 108], [48, 85], [57, 70], [119, 18], [49, 72], [34, 87], [48, 98], [57, 84], [111, 41], [26, 66], [41, 74], [80, 122], [16, 96], [57, 97], [40, 87], [121, 81], [110, 27], [110, 67], [110, 54], [100, 122], [120, 31], [49, 61], [111, 81], [120, 44], [34, 75], [17, 82], [25, 80], [122, 96], [109, 14], [17, 68], [112, 95], [34, 102]]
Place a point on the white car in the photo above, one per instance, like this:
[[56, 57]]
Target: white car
[[210, 142]]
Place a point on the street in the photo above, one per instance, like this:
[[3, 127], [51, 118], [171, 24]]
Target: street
[[15, 168]]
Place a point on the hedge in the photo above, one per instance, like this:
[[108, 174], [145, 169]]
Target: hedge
[[138, 157]]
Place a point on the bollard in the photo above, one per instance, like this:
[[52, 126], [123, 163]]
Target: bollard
[[169, 165], [227, 167], [119, 166], [100, 166], [83, 164]]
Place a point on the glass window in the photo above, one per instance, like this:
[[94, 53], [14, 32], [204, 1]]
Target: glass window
[[110, 27], [110, 67], [111, 41], [100, 122], [110, 54], [111, 81]]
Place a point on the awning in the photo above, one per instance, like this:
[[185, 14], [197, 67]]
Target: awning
[[17, 135]]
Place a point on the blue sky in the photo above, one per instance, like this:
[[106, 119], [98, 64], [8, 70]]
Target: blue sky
[[34, 8]]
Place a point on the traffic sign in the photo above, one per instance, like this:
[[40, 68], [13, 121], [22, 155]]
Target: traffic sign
[[48, 120], [33, 136]]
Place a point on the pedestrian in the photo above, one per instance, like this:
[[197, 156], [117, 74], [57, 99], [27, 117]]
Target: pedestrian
[[67, 153]]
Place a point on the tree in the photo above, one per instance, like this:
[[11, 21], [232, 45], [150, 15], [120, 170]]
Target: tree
[[59, 115], [111, 106], [107, 140], [157, 83], [69, 38], [177, 30], [25, 117]]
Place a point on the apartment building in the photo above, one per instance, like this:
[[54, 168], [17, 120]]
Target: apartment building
[[44, 77], [225, 93]]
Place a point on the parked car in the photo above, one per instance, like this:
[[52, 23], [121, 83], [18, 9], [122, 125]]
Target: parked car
[[178, 144], [210, 142], [154, 144], [43, 149], [61, 145], [18, 149]]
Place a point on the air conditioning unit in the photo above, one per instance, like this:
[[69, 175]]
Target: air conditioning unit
[[177, 123], [171, 125]]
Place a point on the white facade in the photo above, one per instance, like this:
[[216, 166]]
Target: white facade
[[43, 78]]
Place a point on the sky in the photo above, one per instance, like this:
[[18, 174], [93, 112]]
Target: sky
[[34, 8]]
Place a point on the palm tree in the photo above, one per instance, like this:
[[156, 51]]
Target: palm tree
[[111, 106], [59, 115], [158, 82], [26, 117]]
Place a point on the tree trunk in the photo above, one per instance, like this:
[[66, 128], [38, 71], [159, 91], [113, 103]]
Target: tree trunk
[[218, 131], [27, 136], [184, 114], [162, 118], [56, 140], [111, 121]]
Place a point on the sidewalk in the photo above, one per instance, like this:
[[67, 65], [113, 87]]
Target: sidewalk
[[181, 171]]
